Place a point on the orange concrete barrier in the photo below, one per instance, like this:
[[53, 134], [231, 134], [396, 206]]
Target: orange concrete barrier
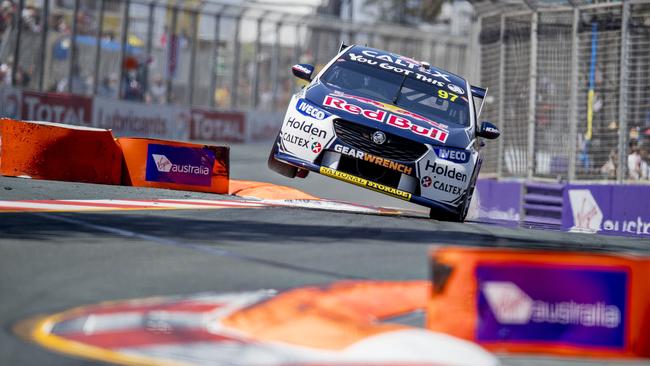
[[175, 165], [247, 188], [553, 302], [54, 151]]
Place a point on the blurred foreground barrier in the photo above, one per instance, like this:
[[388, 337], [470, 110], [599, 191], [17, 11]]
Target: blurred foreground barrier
[[542, 301], [55, 151], [175, 165]]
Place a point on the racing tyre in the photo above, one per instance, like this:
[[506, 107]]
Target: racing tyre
[[453, 217], [302, 173], [279, 167]]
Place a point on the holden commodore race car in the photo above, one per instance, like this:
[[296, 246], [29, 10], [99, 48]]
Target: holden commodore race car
[[387, 123]]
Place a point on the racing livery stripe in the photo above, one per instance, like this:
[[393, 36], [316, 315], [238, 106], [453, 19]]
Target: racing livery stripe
[[361, 182]]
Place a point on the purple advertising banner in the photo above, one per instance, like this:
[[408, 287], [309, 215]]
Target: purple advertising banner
[[563, 305], [607, 209], [498, 200], [180, 165]]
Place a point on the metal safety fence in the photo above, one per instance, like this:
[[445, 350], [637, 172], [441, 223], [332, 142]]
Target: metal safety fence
[[202, 53], [570, 87]]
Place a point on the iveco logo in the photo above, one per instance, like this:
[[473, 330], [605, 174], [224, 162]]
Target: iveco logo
[[378, 137]]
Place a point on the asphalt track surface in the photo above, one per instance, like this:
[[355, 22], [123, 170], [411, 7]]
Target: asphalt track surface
[[50, 262]]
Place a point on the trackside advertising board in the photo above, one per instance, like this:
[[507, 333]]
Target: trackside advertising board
[[210, 125], [141, 120], [551, 303], [179, 164], [54, 107], [175, 165], [607, 209], [546, 301]]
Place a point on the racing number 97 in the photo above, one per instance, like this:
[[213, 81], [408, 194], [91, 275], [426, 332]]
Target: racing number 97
[[445, 95]]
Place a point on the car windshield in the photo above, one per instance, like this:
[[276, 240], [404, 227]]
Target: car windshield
[[425, 99]]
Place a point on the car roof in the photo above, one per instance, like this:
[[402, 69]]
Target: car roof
[[453, 78]]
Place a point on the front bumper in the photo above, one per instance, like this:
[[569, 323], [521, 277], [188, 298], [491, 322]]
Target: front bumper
[[366, 183]]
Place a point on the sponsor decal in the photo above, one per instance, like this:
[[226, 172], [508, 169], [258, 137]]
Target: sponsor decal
[[387, 163], [301, 69], [426, 181], [59, 108], [397, 64], [303, 126], [311, 110], [456, 156], [490, 129], [552, 304], [217, 126], [316, 147], [296, 140], [381, 116], [456, 89], [365, 183], [392, 108], [179, 165], [588, 216], [444, 171]]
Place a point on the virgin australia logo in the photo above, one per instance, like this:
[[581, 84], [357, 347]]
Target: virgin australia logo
[[164, 165], [511, 305], [587, 215]]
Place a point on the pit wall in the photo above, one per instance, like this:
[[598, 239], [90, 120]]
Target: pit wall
[[137, 119], [611, 209]]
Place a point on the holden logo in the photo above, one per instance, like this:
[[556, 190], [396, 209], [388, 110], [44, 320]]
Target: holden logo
[[378, 137], [316, 147]]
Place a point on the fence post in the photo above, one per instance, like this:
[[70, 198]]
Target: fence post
[[502, 82], [256, 61], [19, 29], [195, 43], [98, 45], [215, 59], [172, 47], [275, 64], [150, 25], [234, 82], [622, 102], [45, 15], [532, 85], [123, 44], [73, 46], [573, 102]]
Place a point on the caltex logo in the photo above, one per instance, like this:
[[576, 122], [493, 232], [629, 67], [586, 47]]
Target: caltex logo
[[426, 181], [316, 147]]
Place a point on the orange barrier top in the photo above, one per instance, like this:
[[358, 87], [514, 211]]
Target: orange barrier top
[[246, 188], [343, 313]]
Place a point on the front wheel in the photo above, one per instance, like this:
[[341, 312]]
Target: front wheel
[[456, 216], [279, 167]]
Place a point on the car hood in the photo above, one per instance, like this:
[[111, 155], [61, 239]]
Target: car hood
[[317, 93]]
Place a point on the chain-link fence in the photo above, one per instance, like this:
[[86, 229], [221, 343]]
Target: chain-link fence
[[570, 86], [202, 53]]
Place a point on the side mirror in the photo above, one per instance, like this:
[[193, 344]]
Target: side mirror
[[488, 130], [303, 71]]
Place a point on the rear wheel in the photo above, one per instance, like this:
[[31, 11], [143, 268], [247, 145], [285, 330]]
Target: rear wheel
[[279, 167]]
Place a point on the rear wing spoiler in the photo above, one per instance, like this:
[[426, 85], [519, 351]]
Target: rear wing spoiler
[[478, 92]]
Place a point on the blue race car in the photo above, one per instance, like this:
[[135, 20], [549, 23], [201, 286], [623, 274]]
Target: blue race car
[[387, 123]]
